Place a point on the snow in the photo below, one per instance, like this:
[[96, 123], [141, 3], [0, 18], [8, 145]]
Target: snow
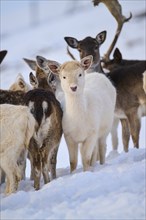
[[115, 190]]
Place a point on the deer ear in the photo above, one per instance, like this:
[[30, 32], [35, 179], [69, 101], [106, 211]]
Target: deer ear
[[100, 38], [42, 63], [31, 63], [54, 67], [72, 42], [33, 80], [21, 83], [86, 62], [47, 65], [117, 55], [2, 55]]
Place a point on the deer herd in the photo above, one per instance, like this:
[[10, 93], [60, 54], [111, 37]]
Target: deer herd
[[83, 100]]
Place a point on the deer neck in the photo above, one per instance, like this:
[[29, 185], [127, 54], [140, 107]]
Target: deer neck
[[75, 104], [95, 67]]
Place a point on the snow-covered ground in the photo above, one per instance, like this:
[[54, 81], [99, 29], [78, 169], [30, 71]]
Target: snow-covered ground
[[115, 190]]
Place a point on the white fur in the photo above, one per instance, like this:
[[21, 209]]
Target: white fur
[[88, 113], [17, 127]]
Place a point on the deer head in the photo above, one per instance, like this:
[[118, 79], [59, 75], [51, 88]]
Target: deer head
[[89, 46]]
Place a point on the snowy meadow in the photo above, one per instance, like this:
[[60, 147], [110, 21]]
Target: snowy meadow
[[113, 191]]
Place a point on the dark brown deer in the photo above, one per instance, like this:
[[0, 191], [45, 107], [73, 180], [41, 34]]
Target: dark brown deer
[[131, 98], [118, 61]]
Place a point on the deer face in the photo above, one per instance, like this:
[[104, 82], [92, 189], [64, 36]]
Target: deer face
[[72, 77], [88, 46]]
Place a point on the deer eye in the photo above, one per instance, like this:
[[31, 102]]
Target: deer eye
[[64, 77], [80, 75]]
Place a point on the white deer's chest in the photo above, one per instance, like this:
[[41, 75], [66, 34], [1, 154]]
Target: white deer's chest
[[76, 127]]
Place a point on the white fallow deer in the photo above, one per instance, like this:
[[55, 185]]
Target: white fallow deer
[[130, 98], [85, 118]]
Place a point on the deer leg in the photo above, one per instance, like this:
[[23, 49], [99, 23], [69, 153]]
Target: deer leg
[[37, 170], [53, 162], [87, 151], [22, 162], [12, 180], [135, 125], [45, 171], [125, 133], [73, 152], [32, 167], [95, 156], [102, 149], [2, 176], [114, 133]]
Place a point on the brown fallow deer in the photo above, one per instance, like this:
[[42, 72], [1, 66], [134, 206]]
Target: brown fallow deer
[[115, 63], [44, 144], [39, 80], [118, 61]]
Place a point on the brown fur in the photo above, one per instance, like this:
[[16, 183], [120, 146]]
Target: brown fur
[[11, 97], [44, 154], [130, 95], [118, 61]]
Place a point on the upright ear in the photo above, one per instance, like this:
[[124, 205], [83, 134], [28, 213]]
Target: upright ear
[[48, 65], [31, 63], [72, 42], [117, 55], [33, 80], [100, 38], [21, 83], [2, 55], [54, 66], [42, 63], [86, 62]]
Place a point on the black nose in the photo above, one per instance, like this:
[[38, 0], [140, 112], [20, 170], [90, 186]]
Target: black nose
[[74, 88]]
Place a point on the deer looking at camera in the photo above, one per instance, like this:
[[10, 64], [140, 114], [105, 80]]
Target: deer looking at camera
[[119, 77]]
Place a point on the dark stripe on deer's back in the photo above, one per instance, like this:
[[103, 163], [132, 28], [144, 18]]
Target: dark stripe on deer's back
[[38, 97]]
